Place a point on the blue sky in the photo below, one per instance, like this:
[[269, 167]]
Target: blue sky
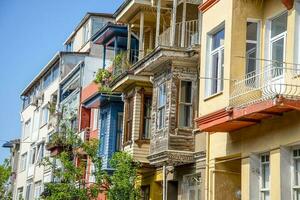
[[31, 31]]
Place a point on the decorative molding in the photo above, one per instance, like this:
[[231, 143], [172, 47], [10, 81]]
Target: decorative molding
[[173, 158]]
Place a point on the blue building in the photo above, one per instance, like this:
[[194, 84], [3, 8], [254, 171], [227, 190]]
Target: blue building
[[113, 38]]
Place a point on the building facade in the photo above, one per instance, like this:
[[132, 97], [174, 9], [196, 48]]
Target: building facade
[[249, 102], [57, 85]]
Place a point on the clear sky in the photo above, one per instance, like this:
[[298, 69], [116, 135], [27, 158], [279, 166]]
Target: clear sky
[[31, 31]]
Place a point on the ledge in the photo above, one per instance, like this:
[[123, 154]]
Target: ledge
[[175, 158]]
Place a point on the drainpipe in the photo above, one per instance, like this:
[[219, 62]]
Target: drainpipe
[[165, 185], [207, 166]]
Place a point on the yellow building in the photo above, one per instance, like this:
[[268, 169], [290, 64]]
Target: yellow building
[[249, 98]]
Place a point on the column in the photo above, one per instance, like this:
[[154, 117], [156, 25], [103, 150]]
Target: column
[[128, 42], [141, 37], [157, 23], [183, 24], [165, 183], [173, 25]]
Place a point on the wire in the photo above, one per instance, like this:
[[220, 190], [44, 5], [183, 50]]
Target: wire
[[19, 142]]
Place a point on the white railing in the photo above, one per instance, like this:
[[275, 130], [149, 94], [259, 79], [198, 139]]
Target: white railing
[[164, 39], [275, 80], [186, 34]]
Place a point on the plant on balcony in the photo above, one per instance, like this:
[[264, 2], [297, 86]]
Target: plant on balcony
[[103, 78]]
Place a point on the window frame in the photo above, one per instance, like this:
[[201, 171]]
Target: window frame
[[23, 162], [295, 186], [161, 108], [128, 119], [25, 130], [143, 118], [219, 51], [263, 189], [272, 40], [180, 102], [39, 192], [44, 116], [258, 50]]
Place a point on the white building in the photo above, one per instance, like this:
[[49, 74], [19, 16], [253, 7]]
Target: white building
[[37, 121]]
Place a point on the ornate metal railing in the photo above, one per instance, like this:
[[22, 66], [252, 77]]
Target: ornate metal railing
[[275, 80]]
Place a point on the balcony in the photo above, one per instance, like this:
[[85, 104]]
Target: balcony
[[258, 96], [187, 35], [276, 80]]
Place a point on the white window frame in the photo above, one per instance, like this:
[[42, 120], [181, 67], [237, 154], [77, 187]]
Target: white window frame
[[186, 104], [276, 38], [20, 192], [38, 189], [44, 116], [295, 186], [257, 43], [218, 51], [27, 130], [161, 109], [95, 124], [23, 162], [261, 188]]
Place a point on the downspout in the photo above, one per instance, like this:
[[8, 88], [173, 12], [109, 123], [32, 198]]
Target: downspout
[[207, 177], [165, 186]]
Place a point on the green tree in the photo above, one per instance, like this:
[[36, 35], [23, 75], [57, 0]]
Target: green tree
[[5, 171], [123, 182]]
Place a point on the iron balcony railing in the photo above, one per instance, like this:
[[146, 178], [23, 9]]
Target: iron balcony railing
[[186, 34], [275, 80]]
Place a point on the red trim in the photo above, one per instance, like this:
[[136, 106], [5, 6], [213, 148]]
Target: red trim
[[207, 5], [288, 4], [230, 120]]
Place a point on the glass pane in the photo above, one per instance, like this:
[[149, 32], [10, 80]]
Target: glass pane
[[218, 39], [279, 25], [214, 80], [161, 95], [277, 57], [297, 172], [265, 175], [186, 92], [297, 194], [252, 31], [251, 58], [185, 115], [266, 195]]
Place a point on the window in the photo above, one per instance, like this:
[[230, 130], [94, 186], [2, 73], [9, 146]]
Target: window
[[119, 131], [129, 118], [191, 187], [103, 132], [265, 177], [55, 71], [37, 189], [47, 80], [45, 116], [29, 190], [161, 105], [69, 46], [147, 105], [296, 182], [215, 71], [145, 192], [23, 162], [40, 152], [297, 36], [36, 120], [277, 44], [86, 33], [252, 51], [27, 127], [20, 193], [32, 156], [95, 119], [92, 178], [185, 104]]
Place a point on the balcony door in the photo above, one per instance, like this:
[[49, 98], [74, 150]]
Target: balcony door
[[277, 47], [275, 69]]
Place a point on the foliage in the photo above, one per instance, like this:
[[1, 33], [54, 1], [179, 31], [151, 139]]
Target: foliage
[[5, 171], [124, 179], [103, 78]]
